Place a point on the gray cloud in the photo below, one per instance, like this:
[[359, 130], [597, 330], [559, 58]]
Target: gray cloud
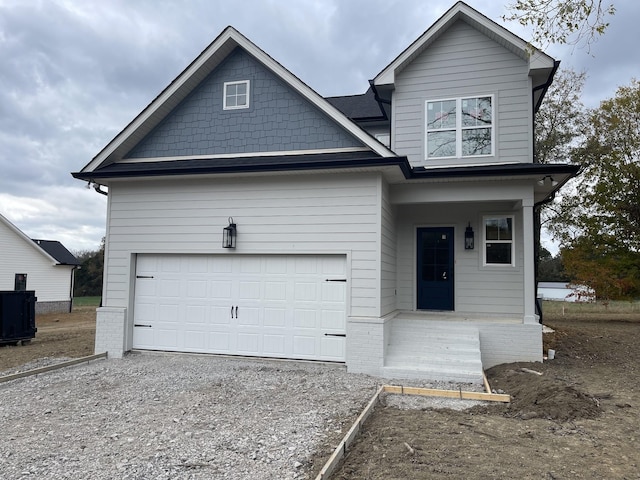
[[75, 73]]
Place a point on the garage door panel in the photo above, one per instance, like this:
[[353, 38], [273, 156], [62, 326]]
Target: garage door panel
[[220, 316], [196, 314], [274, 345], [275, 317], [332, 347], [332, 320], [248, 343], [221, 290], [304, 346], [194, 340], [169, 288], [275, 291], [196, 289], [304, 318], [248, 316], [284, 305], [220, 342], [306, 292]]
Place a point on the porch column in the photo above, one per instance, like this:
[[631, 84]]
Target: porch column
[[529, 262]]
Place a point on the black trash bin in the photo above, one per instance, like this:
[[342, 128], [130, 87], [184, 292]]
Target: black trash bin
[[17, 316]]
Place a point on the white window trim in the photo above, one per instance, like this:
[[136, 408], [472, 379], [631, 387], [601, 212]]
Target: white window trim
[[512, 241], [224, 95], [459, 128]]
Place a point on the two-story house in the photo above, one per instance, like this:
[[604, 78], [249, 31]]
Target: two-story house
[[393, 231]]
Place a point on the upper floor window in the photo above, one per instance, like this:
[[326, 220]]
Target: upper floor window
[[460, 127], [236, 95], [498, 240]]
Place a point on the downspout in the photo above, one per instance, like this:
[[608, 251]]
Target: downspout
[[536, 206], [537, 227], [73, 281]]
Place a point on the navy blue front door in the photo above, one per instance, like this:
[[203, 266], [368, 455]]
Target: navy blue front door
[[435, 268]]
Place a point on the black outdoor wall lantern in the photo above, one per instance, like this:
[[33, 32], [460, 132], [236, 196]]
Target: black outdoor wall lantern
[[468, 238], [229, 235]]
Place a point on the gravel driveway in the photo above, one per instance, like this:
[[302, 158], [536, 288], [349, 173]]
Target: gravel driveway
[[164, 416]]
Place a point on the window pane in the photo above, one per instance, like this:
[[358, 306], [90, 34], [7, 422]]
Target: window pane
[[499, 253], [241, 100], [241, 88], [476, 112], [231, 101], [441, 144], [498, 228], [476, 141], [441, 114]]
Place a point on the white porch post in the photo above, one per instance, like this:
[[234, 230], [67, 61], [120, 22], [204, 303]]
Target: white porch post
[[529, 262]]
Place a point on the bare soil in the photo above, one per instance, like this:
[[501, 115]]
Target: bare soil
[[59, 335], [579, 419]]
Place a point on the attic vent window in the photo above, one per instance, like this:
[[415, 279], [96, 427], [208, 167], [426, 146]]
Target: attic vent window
[[236, 95]]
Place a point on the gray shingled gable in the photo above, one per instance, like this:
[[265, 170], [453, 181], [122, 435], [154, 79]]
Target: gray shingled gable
[[279, 119]]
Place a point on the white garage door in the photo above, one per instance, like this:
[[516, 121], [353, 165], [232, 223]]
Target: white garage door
[[270, 306]]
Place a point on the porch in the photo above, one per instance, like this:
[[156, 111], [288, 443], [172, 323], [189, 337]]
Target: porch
[[450, 346]]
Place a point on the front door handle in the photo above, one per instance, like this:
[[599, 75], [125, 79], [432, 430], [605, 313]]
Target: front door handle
[[444, 275]]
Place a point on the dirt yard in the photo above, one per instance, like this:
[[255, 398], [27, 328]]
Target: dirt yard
[[579, 419], [59, 335]]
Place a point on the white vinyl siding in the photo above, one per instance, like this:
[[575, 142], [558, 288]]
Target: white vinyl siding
[[464, 63], [51, 282], [312, 214]]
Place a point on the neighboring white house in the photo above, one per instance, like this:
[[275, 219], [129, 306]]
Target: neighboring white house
[[382, 230], [565, 292], [44, 266]]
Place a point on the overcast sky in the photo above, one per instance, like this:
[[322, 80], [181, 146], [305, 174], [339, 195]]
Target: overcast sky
[[74, 73]]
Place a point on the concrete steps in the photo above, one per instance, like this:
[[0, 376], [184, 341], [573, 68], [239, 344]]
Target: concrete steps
[[438, 351]]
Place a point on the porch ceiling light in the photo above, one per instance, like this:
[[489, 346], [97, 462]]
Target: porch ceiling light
[[547, 180], [229, 235], [468, 238]]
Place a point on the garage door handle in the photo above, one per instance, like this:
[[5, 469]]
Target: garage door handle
[[141, 325], [232, 312], [144, 276], [335, 334], [336, 280], [236, 311]]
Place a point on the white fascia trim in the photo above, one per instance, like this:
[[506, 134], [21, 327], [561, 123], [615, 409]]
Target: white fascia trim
[[244, 155], [483, 164], [537, 59], [26, 238], [231, 34]]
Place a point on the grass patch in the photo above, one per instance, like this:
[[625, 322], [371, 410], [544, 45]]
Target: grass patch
[[86, 301], [559, 308]]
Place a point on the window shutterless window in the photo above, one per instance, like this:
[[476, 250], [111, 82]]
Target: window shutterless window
[[498, 240], [236, 95], [459, 127]]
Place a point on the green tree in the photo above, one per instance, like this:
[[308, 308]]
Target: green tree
[[560, 120], [573, 22], [550, 268], [88, 279], [598, 225]]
